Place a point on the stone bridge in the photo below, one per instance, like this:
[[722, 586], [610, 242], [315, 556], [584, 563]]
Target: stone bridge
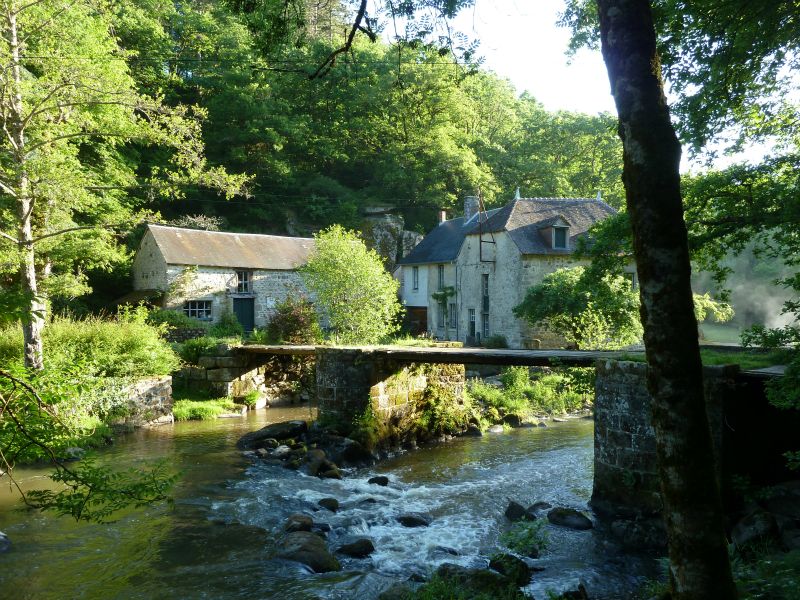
[[390, 380]]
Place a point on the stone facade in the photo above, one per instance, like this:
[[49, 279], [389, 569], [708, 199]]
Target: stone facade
[[149, 402], [218, 285], [626, 480], [279, 380]]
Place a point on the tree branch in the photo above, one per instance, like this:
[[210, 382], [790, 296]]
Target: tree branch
[[9, 238], [329, 62], [71, 229]]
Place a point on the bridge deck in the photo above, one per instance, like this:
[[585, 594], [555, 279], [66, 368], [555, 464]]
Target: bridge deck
[[481, 356]]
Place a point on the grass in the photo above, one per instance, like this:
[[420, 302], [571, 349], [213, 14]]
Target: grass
[[126, 346], [201, 410], [746, 359]]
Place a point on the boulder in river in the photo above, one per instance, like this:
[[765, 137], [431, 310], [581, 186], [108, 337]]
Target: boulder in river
[[331, 504], [569, 517], [516, 569], [357, 549], [309, 549], [473, 431], [277, 431], [332, 473], [414, 520], [537, 507], [495, 429], [298, 522], [515, 511], [379, 480]]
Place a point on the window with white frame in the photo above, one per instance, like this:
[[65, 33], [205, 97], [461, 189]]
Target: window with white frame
[[415, 278], [560, 237], [485, 323], [441, 276], [244, 282], [440, 317], [471, 314], [198, 309], [451, 316]]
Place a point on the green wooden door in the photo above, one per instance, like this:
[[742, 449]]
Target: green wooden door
[[244, 309]]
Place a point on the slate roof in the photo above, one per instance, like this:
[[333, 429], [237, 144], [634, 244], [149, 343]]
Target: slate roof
[[523, 219], [443, 243], [181, 246]]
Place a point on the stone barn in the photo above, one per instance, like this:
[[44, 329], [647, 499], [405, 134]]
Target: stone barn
[[207, 273]]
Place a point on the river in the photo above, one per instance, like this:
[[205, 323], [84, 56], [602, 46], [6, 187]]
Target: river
[[216, 540]]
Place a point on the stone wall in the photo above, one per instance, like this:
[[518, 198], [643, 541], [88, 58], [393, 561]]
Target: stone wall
[[625, 478], [149, 402], [350, 382], [181, 334], [279, 380]]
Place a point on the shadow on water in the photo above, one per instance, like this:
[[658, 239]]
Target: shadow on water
[[217, 539]]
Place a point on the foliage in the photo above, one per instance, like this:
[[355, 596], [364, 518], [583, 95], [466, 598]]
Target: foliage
[[707, 307], [772, 575], [351, 287], [441, 412], [44, 413], [227, 326], [294, 321], [590, 313], [126, 346], [441, 588], [528, 538], [174, 319], [190, 351], [250, 398], [186, 410]]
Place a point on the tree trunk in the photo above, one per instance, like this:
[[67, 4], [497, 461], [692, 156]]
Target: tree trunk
[[15, 124], [699, 565]]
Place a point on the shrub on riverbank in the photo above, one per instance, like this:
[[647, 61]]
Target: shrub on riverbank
[[549, 392], [202, 410], [124, 346]]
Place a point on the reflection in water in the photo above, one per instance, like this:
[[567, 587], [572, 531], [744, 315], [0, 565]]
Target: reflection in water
[[216, 541]]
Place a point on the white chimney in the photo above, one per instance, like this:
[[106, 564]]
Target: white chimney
[[516, 194], [599, 195], [442, 216], [471, 206]]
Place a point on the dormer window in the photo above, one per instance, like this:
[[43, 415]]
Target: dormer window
[[560, 238]]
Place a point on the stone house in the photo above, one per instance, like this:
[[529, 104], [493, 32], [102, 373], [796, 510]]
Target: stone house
[[207, 273], [465, 277]]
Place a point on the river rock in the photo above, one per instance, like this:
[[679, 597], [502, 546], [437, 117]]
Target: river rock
[[331, 504], [495, 429], [515, 511], [316, 461], [473, 431], [478, 581], [309, 549], [260, 453], [513, 420], [270, 443], [343, 451], [516, 569], [281, 452], [358, 549], [298, 522], [379, 480], [331, 473], [537, 507], [569, 517], [277, 431], [414, 520], [578, 594], [5, 543], [757, 525]]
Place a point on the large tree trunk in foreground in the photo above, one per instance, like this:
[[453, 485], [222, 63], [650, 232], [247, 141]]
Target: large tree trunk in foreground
[[699, 565], [14, 124]]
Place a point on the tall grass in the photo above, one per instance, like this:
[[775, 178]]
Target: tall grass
[[124, 346]]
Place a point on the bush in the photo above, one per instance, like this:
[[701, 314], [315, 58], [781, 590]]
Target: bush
[[250, 398], [191, 350], [126, 346], [202, 410], [498, 401], [174, 319], [442, 413], [227, 326], [527, 537], [294, 321]]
